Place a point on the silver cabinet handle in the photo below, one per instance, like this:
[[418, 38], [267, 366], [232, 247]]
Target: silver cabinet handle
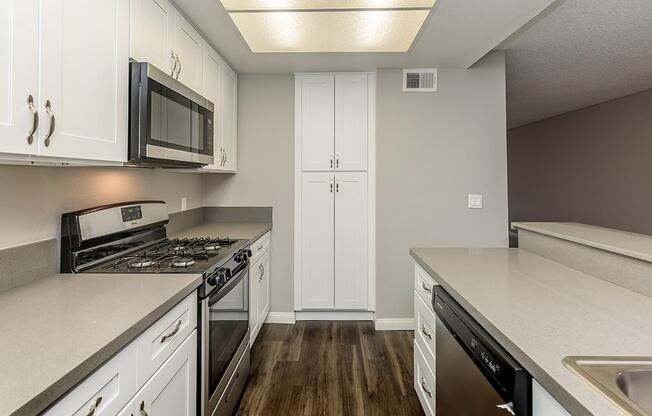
[[223, 162], [226, 158], [337, 160], [337, 185], [262, 272], [423, 387], [260, 247], [142, 409], [424, 332], [178, 70], [331, 185], [507, 406], [91, 410], [48, 109], [426, 287], [173, 333], [30, 103], [174, 60], [331, 160]]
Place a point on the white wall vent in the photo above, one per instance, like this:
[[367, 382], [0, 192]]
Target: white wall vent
[[421, 80]]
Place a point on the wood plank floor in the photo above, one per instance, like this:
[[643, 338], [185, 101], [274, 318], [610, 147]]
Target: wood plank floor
[[330, 368]]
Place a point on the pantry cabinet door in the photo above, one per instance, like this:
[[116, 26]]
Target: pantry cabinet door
[[152, 33], [317, 122], [18, 75], [84, 79], [317, 240], [189, 47], [351, 122], [351, 240]]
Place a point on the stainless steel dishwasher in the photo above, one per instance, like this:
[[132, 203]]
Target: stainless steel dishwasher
[[474, 376]]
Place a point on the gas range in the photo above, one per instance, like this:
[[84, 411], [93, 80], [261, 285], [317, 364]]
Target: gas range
[[131, 237]]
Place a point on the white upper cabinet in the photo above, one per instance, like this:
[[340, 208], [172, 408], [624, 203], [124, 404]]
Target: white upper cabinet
[[317, 240], [84, 79], [351, 240], [211, 87], [18, 76], [153, 25], [351, 120], [317, 123], [229, 119], [188, 48]]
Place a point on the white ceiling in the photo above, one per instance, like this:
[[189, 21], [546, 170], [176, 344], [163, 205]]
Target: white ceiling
[[456, 34], [581, 53]]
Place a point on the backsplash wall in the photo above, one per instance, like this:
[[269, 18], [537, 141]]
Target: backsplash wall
[[592, 165], [32, 198]]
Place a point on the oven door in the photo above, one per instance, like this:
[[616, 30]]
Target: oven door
[[170, 124], [225, 338]]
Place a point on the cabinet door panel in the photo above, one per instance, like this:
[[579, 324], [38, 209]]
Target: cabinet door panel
[[188, 44], [211, 74], [254, 324], [263, 288], [85, 56], [229, 118], [351, 121], [18, 74], [317, 241], [152, 29], [317, 122], [351, 240]]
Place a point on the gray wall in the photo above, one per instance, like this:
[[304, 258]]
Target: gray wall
[[33, 198], [265, 170], [433, 150], [592, 165]]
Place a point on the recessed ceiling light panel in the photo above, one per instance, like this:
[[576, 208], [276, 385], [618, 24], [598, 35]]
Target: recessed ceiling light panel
[[261, 5], [368, 31]]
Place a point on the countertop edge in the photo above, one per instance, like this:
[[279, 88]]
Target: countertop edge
[[579, 240], [268, 228], [566, 399], [65, 384]]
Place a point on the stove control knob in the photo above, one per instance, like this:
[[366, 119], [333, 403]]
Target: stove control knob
[[212, 280], [223, 275]]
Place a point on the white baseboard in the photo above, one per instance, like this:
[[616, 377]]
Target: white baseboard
[[335, 316], [280, 318], [395, 324]]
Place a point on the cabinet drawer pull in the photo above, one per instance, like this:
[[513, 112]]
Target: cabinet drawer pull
[[260, 247], [423, 387], [178, 70], [30, 103], [173, 333], [426, 287], [331, 160], [91, 410], [142, 409], [174, 61], [424, 332], [337, 160], [48, 109]]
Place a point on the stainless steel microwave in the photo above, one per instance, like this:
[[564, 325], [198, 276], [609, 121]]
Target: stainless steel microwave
[[170, 125]]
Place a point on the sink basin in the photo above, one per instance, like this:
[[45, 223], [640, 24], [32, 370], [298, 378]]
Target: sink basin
[[626, 381]]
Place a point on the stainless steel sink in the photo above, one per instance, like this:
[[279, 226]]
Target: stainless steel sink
[[626, 381]]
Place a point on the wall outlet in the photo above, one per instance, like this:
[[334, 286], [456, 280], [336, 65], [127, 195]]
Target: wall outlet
[[184, 203], [475, 201]]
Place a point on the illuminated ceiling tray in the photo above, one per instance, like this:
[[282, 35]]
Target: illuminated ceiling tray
[[328, 25]]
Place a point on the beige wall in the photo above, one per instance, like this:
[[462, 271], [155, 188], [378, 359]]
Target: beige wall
[[33, 198], [432, 150], [265, 170], [591, 165]]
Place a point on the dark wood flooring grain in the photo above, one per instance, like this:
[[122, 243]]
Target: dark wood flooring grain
[[330, 368]]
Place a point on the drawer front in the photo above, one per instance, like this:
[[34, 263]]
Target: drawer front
[[423, 284], [160, 340], [259, 247], [424, 331], [105, 391], [424, 382]]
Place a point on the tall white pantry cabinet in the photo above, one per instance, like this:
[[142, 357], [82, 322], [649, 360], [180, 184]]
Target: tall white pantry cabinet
[[334, 127]]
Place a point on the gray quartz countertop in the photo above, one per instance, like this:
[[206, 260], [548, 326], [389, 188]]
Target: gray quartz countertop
[[247, 231], [541, 312], [57, 330]]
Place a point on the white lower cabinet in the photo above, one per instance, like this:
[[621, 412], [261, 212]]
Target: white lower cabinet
[[543, 404], [424, 340], [259, 285], [157, 369], [172, 391]]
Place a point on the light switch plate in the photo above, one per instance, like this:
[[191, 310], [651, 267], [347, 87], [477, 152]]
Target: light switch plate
[[475, 201]]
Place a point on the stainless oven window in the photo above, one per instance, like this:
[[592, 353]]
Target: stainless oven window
[[228, 323]]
